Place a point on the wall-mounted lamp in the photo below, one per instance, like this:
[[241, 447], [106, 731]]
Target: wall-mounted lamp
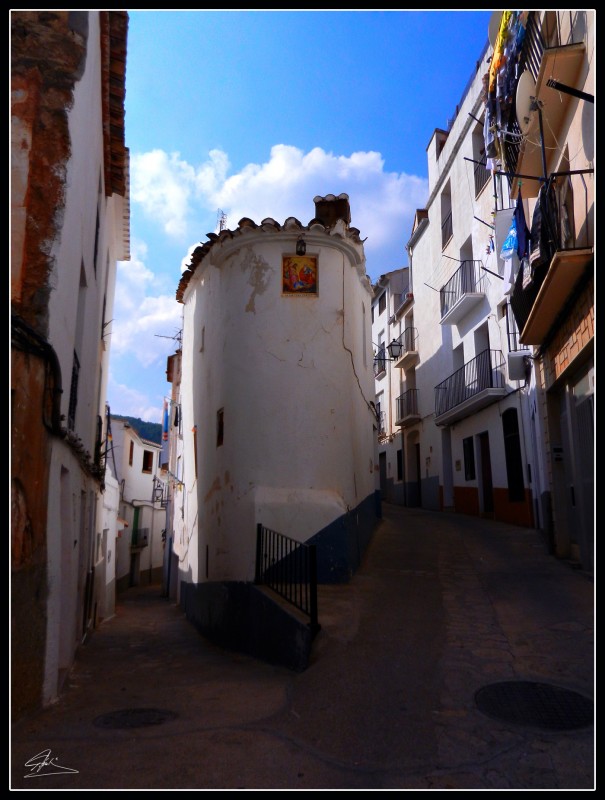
[[394, 350], [301, 246]]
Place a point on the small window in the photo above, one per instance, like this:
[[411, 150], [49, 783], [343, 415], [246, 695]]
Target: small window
[[382, 302], [220, 425], [469, 459], [131, 454], [147, 461]]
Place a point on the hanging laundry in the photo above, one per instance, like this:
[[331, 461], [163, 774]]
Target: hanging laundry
[[522, 229]]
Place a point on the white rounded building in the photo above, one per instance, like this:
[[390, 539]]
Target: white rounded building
[[276, 395]]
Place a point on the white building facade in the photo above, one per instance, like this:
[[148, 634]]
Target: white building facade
[[69, 227], [495, 354]]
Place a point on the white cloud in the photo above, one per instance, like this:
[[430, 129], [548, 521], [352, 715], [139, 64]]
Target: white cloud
[[162, 183], [133, 403], [142, 316], [383, 204]]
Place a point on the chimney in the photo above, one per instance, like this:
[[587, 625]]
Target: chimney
[[329, 209]]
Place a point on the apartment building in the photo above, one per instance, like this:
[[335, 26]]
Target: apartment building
[[69, 227], [494, 355], [547, 153]]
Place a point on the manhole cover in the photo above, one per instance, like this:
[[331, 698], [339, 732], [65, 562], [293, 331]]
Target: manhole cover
[[133, 718], [536, 704]]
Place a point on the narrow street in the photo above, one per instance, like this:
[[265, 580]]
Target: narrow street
[[448, 616]]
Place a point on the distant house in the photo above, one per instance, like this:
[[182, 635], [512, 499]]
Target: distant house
[[69, 227], [142, 491]]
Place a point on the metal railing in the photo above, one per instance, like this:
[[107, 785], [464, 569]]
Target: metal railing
[[468, 278], [407, 404], [408, 341], [485, 371], [482, 176], [570, 225], [289, 568], [380, 360]]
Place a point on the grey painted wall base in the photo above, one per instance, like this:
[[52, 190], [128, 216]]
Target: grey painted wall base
[[243, 617], [342, 543]]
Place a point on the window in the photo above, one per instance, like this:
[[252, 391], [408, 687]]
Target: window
[[147, 461], [131, 454], [73, 393], [446, 216], [512, 452], [469, 459], [220, 426], [382, 302]]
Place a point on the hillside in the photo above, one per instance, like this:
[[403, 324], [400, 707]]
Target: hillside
[[151, 431]]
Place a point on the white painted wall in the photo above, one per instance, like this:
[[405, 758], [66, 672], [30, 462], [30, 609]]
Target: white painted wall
[[294, 378], [71, 532]]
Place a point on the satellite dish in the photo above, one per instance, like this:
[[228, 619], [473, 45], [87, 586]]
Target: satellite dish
[[493, 27], [526, 94]]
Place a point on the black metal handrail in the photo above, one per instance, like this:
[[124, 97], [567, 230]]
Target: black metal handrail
[[469, 277], [289, 568], [485, 371]]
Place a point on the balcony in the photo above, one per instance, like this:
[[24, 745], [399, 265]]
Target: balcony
[[538, 302], [479, 383], [464, 291], [409, 349], [139, 539], [381, 424], [407, 409], [380, 362], [564, 61]]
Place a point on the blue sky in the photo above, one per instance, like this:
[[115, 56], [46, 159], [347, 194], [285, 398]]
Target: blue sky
[[255, 113]]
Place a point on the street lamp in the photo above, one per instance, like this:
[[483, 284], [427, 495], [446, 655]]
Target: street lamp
[[394, 350]]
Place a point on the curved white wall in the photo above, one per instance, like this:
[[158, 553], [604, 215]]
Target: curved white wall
[[293, 376]]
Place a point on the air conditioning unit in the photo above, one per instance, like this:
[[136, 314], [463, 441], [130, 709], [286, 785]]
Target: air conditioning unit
[[517, 365]]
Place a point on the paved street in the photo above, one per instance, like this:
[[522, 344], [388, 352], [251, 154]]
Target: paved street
[[443, 606]]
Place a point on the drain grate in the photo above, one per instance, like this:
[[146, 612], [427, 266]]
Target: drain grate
[[536, 704], [133, 718]]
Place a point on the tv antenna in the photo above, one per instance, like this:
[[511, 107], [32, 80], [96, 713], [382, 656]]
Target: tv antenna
[[178, 336], [221, 220]]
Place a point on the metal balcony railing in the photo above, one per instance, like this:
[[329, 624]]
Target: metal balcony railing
[[407, 404], [531, 56], [408, 341], [485, 371], [570, 225], [469, 278], [289, 568], [482, 176], [380, 362]]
